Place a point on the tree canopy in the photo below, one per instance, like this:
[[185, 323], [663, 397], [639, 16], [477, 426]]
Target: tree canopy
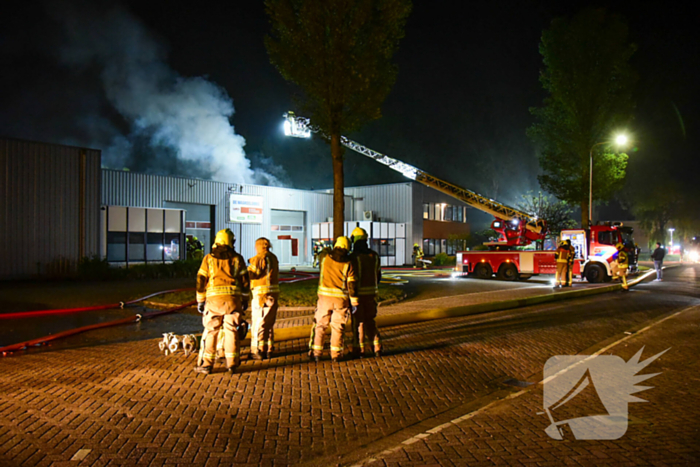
[[555, 212], [590, 84], [339, 54]]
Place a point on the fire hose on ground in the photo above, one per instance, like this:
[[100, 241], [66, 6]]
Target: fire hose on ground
[[40, 341]]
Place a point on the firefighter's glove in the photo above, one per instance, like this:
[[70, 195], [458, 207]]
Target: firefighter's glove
[[200, 307]]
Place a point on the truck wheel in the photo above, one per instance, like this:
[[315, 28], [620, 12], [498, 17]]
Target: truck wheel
[[483, 271], [508, 272], [595, 273]]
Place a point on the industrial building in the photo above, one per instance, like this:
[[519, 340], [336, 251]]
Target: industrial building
[[60, 206]]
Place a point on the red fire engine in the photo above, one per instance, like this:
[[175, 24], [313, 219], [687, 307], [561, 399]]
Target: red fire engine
[[516, 229], [594, 253]]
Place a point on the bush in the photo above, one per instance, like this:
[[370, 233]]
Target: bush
[[441, 259], [94, 268], [91, 268]]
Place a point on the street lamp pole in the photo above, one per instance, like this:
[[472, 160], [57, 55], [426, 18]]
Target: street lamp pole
[[620, 140]]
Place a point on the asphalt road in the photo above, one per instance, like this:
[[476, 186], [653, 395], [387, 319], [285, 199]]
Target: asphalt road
[[436, 398]]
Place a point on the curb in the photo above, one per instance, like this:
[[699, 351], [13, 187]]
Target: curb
[[303, 332]]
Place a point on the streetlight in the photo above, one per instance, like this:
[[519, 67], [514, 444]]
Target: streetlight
[[671, 230], [620, 140]]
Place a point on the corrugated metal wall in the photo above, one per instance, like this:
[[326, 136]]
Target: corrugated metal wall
[[49, 207], [121, 188], [391, 203]]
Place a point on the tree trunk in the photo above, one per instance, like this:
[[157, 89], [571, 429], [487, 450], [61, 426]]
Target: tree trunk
[[584, 214], [338, 187]]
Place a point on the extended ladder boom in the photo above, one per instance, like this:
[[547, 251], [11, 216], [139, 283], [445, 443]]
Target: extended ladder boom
[[301, 127]]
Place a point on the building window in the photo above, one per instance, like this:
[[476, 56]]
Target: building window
[[154, 247], [448, 213], [116, 246], [426, 211], [137, 246]]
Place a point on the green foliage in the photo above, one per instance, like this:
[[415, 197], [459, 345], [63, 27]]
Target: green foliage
[[304, 293], [441, 259], [94, 268], [659, 202], [476, 239], [338, 52], [555, 212], [590, 84]]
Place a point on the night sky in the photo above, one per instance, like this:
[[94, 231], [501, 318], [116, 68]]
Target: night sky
[[468, 72]]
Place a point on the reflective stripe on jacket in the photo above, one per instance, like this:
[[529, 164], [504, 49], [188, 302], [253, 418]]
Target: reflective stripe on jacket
[[222, 273], [338, 277], [264, 274]]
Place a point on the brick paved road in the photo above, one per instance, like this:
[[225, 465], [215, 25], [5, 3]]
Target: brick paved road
[[124, 404]]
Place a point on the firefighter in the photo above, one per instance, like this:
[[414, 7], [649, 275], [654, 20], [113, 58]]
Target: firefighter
[[318, 248], [369, 273], [337, 291], [562, 256], [620, 265], [223, 287], [570, 265], [418, 256], [264, 276], [195, 248]]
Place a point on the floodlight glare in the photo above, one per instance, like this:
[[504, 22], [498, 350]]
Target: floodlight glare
[[621, 140]]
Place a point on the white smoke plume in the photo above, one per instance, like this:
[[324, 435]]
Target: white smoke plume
[[178, 124]]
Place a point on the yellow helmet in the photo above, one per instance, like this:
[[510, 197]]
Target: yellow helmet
[[619, 246], [225, 237], [415, 245], [342, 242], [358, 234]]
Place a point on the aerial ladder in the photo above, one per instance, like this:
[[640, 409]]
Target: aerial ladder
[[515, 227]]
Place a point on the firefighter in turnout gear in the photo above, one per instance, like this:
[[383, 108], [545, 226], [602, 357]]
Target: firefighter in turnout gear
[[223, 287], [264, 276], [337, 291], [418, 256], [369, 273], [562, 256], [570, 266], [620, 265], [195, 249]]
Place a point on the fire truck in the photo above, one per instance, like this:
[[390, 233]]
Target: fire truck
[[506, 257]]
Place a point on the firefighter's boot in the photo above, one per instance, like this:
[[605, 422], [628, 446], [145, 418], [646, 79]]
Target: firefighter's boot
[[203, 370]]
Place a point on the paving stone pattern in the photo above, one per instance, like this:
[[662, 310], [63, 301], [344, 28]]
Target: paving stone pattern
[[129, 405], [663, 431]]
